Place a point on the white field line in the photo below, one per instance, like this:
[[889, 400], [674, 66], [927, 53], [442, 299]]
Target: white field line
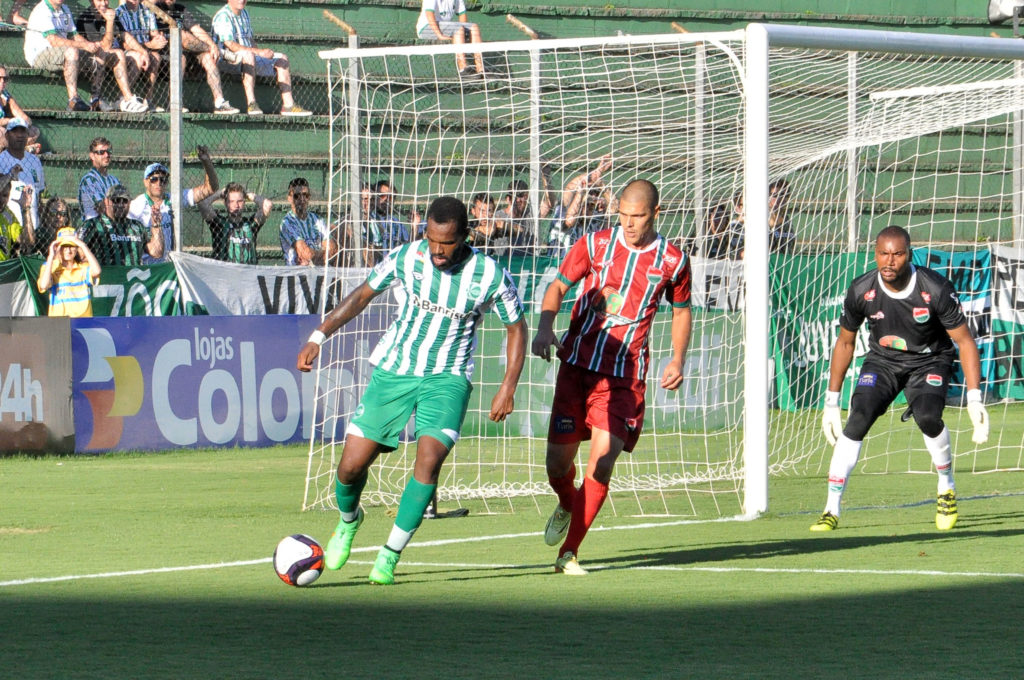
[[480, 539]]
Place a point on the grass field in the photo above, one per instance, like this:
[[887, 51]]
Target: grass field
[[157, 566]]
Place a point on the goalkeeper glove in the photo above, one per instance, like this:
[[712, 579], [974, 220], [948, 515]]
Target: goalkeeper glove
[[831, 424], [979, 416]]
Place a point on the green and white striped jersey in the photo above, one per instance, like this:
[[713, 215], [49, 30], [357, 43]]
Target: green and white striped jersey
[[439, 311]]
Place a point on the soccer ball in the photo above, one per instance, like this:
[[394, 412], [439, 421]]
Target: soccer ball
[[298, 560]]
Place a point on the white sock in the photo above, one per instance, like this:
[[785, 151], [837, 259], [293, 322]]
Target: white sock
[[399, 538], [844, 457], [942, 457]]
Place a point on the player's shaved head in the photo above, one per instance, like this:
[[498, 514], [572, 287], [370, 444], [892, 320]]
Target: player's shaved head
[[893, 231], [641, 191]]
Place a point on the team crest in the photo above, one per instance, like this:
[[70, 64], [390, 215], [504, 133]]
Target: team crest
[[870, 295], [934, 380], [921, 314], [611, 301], [926, 296]]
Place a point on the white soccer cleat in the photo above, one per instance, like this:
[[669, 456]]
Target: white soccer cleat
[[568, 565], [557, 526]]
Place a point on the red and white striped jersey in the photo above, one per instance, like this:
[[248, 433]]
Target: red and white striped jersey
[[619, 294]]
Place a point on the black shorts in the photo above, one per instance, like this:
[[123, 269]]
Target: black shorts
[[881, 379]]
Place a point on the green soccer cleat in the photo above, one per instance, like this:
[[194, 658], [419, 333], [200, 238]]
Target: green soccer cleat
[[340, 545], [827, 522], [568, 565], [383, 572], [557, 526], [945, 514]]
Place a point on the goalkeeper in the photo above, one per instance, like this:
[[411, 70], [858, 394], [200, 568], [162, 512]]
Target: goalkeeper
[[423, 364], [913, 313]]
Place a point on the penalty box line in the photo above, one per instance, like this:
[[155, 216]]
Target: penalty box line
[[267, 560]]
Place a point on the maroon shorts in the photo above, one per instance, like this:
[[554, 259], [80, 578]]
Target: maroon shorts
[[585, 400]]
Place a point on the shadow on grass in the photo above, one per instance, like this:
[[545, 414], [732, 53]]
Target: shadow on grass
[[550, 630]]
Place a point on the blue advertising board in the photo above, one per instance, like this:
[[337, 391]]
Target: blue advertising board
[[157, 383]]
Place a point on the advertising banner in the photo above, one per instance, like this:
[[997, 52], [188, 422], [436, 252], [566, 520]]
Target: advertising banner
[[16, 290], [160, 383], [35, 395], [1007, 379]]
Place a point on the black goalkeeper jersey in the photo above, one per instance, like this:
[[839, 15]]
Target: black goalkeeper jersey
[[911, 321]]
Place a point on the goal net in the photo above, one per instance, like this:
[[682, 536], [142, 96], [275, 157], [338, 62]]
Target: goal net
[[775, 170]]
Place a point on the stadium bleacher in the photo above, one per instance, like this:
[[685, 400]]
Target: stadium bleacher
[[265, 153]]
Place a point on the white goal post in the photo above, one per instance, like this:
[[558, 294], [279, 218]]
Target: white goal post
[[779, 151]]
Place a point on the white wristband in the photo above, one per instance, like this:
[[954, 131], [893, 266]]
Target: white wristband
[[831, 399], [318, 337], [973, 396]]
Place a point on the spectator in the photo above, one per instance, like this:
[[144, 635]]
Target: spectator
[[69, 274], [93, 186], [438, 22], [484, 231], [16, 17], [144, 45], [197, 42], [239, 50], [517, 214], [53, 44], [16, 239], [781, 238], [373, 242], [234, 235], [54, 216], [585, 207], [305, 238], [9, 110], [153, 207], [392, 232], [720, 241], [29, 168], [115, 238]]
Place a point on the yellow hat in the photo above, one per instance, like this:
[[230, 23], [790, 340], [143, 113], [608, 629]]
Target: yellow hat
[[66, 237]]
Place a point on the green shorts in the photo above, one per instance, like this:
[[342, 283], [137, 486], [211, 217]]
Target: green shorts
[[439, 402]]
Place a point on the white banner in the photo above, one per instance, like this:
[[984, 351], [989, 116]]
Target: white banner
[[16, 299], [717, 284], [228, 289], [1008, 284]]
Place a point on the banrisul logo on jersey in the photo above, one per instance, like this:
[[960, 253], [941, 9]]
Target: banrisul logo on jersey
[[159, 383]]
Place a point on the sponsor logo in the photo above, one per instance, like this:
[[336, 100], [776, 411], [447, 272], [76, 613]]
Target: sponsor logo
[[603, 241], [894, 342], [434, 308], [926, 296], [474, 290], [877, 315], [868, 379], [233, 399], [671, 260], [921, 314], [417, 276], [934, 380], [870, 295], [565, 424]]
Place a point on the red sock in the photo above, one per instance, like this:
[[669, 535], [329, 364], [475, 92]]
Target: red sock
[[589, 500], [564, 488]]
